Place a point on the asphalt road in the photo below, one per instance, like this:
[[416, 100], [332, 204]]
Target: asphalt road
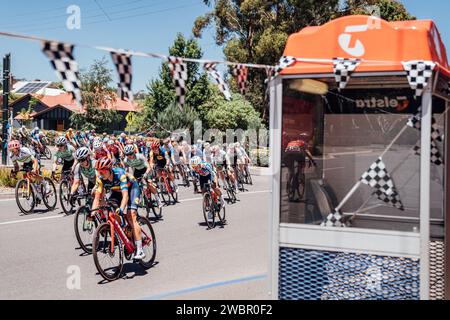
[[40, 255]]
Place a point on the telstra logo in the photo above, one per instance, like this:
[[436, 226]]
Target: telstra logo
[[400, 103]]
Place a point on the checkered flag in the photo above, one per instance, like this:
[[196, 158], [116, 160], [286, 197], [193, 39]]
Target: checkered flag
[[284, 62], [178, 70], [241, 72], [62, 60], [210, 67], [334, 220], [342, 69], [435, 155], [419, 74], [122, 61], [377, 177], [414, 121], [392, 199]]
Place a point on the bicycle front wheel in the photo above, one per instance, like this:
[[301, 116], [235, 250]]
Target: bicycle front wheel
[[25, 197], [64, 197], [49, 193], [84, 228], [148, 242], [208, 211], [108, 257]]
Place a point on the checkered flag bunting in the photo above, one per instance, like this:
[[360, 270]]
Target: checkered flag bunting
[[419, 74], [65, 66], [122, 61], [241, 73], [435, 155], [210, 67], [343, 69], [414, 122], [392, 199], [334, 219], [378, 177], [178, 70]]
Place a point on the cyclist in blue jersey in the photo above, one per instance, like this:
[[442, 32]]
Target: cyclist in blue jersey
[[124, 189], [206, 174]]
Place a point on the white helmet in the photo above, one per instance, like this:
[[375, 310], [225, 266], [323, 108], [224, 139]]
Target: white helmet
[[195, 161], [98, 144], [237, 145], [129, 149], [60, 141], [82, 153], [110, 142]]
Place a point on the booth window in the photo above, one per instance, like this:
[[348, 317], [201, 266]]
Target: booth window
[[330, 138]]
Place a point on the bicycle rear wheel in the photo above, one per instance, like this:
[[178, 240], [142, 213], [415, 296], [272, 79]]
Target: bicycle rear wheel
[[64, 197], [49, 195], [157, 211], [163, 195], [148, 242], [108, 259], [208, 211], [221, 215], [47, 153], [84, 228], [25, 197]]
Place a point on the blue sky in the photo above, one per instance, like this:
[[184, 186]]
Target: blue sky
[[141, 25]]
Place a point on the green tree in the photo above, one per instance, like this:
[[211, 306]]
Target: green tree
[[256, 31], [235, 114], [162, 91], [98, 97], [172, 119], [388, 9]]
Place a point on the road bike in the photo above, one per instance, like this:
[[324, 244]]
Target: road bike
[[212, 207], [85, 224], [148, 200], [67, 180], [113, 240], [166, 188], [229, 186], [29, 193]]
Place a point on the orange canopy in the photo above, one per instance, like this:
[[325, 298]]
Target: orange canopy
[[380, 44]]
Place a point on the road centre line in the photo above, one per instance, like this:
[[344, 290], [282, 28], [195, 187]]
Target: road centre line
[[206, 286]]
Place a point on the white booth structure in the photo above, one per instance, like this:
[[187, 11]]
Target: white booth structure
[[370, 220]]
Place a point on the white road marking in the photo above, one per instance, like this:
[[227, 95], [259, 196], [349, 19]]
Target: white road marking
[[54, 217], [29, 220]]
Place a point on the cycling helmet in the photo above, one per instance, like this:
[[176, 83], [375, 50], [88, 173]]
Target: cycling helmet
[[155, 145], [13, 144], [61, 141], [148, 144], [195, 161], [111, 142], [123, 135], [104, 164], [41, 134], [82, 153], [129, 149], [98, 144], [206, 145], [105, 140], [91, 138], [237, 145], [129, 141]]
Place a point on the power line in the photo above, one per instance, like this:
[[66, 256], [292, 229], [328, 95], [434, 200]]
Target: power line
[[49, 20], [117, 18], [103, 10]]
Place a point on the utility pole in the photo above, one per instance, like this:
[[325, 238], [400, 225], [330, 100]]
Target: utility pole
[[6, 71]]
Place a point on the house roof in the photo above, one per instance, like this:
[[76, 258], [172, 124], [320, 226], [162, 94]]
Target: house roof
[[65, 100], [381, 45]]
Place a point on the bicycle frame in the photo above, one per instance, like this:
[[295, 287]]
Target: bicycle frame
[[165, 176], [114, 224]]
